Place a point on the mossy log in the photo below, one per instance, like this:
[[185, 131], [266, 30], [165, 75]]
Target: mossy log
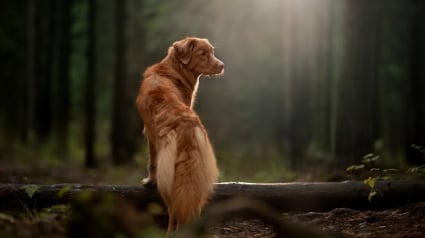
[[281, 196]]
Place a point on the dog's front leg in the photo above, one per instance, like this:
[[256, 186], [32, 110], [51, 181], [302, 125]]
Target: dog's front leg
[[151, 179]]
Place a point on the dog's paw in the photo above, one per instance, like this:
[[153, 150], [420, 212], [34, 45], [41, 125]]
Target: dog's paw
[[148, 182]]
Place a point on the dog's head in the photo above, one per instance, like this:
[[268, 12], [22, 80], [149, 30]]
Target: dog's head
[[197, 55]]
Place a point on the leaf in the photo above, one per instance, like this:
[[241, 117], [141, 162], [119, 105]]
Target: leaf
[[371, 195], [64, 190], [390, 170], [370, 181], [413, 170], [386, 178], [355, 167], [375, 170], [30, 190], [419, 169], [369, 158]]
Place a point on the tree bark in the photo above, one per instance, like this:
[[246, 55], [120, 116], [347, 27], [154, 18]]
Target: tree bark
[[90, 99], [31, 72], [61, 75], [122, 150], [416, 101], [356, 129], [281, 196], [45, 19]]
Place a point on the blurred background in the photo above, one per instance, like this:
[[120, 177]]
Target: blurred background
[[309, 87]]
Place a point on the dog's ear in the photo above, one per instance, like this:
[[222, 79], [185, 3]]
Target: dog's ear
[[184, 49]]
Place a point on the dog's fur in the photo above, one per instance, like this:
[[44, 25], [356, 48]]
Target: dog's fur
[[182, 162]]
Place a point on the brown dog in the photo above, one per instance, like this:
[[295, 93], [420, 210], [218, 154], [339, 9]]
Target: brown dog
[[182, 162]]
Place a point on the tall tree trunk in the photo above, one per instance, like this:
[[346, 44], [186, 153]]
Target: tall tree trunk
[[321, 79], [356, 127], [44, 52], [90, 102], [287, 74], [334, 59], [121, 151], [61, 102], [31, 71], [416, 123], [297, 75]]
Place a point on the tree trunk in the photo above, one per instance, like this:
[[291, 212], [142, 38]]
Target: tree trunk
[[60, 69], [44, 58], [121, 145], [281, 196], [415, 127], [297, 74], [287, 19], [90, 102], [357, 130], [31, 72]]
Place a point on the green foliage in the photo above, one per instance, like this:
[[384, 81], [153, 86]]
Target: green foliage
[[418, 169], [370, 181], [30, 190], [373, 173]]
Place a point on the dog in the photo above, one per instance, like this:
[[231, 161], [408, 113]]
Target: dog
[[181, 163]]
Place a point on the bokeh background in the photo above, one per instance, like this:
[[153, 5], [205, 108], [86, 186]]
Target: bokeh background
[[309, 87]]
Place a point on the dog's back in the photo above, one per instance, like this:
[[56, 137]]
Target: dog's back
[[180, 152]]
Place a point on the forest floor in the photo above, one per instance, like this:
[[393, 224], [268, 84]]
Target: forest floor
[[404, 221]]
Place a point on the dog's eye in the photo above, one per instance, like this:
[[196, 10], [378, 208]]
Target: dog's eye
[[204, 53]]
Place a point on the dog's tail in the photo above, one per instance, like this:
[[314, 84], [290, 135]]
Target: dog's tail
[[186, 173]]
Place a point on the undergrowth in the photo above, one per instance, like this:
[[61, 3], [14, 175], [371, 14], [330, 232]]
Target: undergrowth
[[370, 172]]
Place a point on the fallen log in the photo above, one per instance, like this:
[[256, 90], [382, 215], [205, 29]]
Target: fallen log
[[327, 196], [281, 196]]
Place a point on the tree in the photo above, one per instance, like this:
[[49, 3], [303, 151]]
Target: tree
[[61, 74], [45, 19], [122, 143], [416, 99], [357, 112], [90, 102], [298, 73], [31, 72]]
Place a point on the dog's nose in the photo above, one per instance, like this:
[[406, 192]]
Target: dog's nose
[[221, 66]]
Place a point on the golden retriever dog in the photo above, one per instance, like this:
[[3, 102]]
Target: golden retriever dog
[[182, 163]]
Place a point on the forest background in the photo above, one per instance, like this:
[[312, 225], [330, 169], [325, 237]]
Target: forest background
[[308, 84]]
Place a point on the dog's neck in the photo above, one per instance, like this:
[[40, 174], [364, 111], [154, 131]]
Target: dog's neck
[[188, 82]]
